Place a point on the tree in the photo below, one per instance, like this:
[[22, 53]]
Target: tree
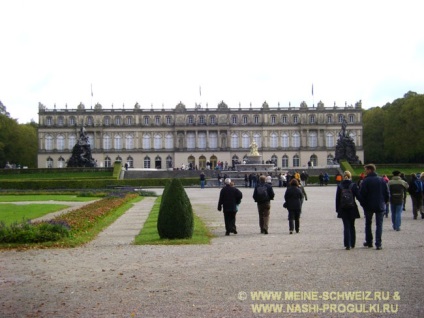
[[175, 219]]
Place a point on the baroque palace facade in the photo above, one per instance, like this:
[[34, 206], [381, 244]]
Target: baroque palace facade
[[290, 137]]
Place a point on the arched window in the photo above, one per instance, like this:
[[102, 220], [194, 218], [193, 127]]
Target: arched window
[[284, 119], [201, 120], [60, 121], [60, 142], [296, 161], [234, 141], [245, 141], [49, 142], [202, 162], [201, 143], [49, 162], [118, 142], [157, 143], [314, 160], [118, 121], [106, 121], [72, 121], [313, 139], [273, 119], [169, 162], [128, 121], [130, 162], [191, 141], [351, 119], [118, 159], [90, 121], [146, 120], [234, 120], [129, 142], [72, 140], [146, 142], [108, 162], [49, 121], [295, 119], [190, 120], [213, 120], [157, 120], [147, 162], [329, 119], [296, 140], [341, 117], [158, 162], [61, 162], [257, 138], [107, 142], [285, 140], [169, 141], [213, 140], [274, 160], [245, 120], [191, 162], [312, 119], [273, 140], [329, 140], [285, 161]]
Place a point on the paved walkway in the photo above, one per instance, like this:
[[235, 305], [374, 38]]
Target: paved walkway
[[312, 271]]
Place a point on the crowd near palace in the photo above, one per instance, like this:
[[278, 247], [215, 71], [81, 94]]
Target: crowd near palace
[[171, 138]]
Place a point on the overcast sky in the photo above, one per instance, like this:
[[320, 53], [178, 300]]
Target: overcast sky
[[162, 52]]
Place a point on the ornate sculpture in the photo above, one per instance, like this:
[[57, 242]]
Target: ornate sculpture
[[345, 148], [81, 153], [254, 149]]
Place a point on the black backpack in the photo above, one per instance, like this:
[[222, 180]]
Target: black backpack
[[262, 193], [347, 199]]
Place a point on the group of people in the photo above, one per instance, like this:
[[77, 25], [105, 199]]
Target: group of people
[[373, 193], [230, 198]]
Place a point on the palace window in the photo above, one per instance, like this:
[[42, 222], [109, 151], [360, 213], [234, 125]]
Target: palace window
[[313, 139], [146, 142], [245, 119], [234, 141], [169, 141], [60, 142], [147, 162], [296, 161], [118, 142], [285, 161], [213, 140], [273, 140], [329, 140], [118, 121], [146, 120], [295, 119], [284, 140], [296, 140], [107, 142], [129, 142], [284, 119], [273, 119], [157, 120], [49, 142], [157, 142]]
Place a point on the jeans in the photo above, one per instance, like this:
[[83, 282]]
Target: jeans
[[378, 227], [396, 215], [202, 184], [349, 232]]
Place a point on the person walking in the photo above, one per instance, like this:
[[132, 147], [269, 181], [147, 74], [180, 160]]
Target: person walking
[[375, 195], [202, 180], [293, 202], [263, 194], [416, 192], [347, 209], [397, 189], [229, 199]]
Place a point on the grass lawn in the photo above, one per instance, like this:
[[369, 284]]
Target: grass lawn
[[44, 197], [10, 213], [149, 233]]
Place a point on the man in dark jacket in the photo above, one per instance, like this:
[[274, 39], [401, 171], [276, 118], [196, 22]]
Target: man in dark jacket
[[375, 195], [264, 202], [229, 198]]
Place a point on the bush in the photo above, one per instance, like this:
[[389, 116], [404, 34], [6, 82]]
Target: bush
[[175, 219], [25, 232]]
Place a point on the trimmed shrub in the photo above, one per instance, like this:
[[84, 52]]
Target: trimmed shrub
[[175, 219], [26, 232]]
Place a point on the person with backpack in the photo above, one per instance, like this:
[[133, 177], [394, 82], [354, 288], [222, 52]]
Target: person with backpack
[[397, 189], [347, 208], [293, 202], [416, 192], [374, 195], [263, 194]]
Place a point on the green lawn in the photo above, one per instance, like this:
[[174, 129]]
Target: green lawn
[[149, 233], [10, 213], [44, 197]]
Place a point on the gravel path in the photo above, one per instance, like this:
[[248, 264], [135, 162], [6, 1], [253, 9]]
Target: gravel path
[[109, 277]]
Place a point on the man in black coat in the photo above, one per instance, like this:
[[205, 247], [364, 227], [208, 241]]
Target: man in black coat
[[229, 199], [264, 203], [375, 195]]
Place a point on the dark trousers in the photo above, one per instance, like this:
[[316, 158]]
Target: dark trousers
[[230, 221], [264, 211], [349, 232], [378, 227], [294, 222]]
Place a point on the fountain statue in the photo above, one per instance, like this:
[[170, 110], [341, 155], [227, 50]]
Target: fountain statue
[[345, 147], [81, 153]]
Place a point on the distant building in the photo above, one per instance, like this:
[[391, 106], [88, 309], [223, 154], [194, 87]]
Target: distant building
[[290, 137]]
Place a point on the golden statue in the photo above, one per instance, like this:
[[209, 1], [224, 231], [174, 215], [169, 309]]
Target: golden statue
[[254, 149]]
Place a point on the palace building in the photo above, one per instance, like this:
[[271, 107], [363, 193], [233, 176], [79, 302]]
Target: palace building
[[290, 137]]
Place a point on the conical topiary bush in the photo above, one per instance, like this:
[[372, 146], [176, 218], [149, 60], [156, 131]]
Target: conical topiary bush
[[175, 220]]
